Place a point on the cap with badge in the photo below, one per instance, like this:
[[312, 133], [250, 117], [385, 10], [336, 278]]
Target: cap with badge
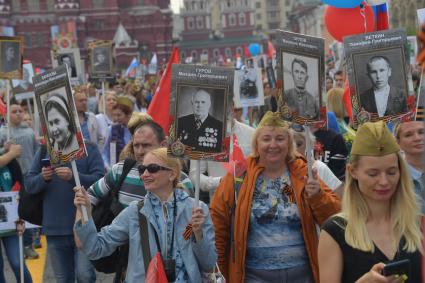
[[374, 139], [126, 101], [273, 119]]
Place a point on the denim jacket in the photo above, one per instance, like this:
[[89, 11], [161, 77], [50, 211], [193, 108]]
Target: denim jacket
[[197, 257]]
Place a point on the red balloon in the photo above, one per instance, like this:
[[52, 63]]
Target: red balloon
[[341, 22]]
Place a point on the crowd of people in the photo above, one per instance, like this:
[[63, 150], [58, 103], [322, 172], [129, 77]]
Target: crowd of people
[[358, 209]]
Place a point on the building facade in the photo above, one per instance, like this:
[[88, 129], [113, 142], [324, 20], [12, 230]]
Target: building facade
[[148, 23], [403, 14]]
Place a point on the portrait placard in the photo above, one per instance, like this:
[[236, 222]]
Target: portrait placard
[[101, 59], [24, 87], [58, 115], [301, 69], [9, 211], [377, 69], [11, 50], [248, 86], [201, 107], [71, 59]]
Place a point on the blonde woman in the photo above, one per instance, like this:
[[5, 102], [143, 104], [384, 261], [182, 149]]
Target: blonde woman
[[105, 119], [379, 222], [168, 212]]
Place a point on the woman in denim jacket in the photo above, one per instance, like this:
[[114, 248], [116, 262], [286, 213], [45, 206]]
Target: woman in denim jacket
[[163, 205]]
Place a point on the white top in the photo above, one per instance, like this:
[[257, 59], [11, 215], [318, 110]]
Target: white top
[[381, 99]]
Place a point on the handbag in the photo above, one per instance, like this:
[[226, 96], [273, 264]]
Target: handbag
[[213, 277]]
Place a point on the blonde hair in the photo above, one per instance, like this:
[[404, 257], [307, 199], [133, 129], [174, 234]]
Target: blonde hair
[[107, 93], [335, 103], [291, 155], [405, 215], [172, 163]]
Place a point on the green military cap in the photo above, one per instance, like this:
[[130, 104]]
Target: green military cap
[[374, 139], [273, 119]]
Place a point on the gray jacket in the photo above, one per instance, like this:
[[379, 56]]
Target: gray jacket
[[197, 257], [24, 136]]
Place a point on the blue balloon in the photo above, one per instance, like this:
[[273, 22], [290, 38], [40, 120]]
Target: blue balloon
[[254, 49], [343, 3]]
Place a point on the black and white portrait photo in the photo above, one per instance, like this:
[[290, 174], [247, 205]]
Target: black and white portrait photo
[[380, 82], [10, 56], [25, 85], [101, 59], [248, 89], [200, 113], [301, 86], [68, 60], [60, 122]]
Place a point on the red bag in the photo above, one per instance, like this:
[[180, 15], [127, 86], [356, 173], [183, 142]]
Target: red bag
[[156, 271]]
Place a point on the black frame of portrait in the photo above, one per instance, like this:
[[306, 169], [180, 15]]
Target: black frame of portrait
[[31, 66], [44, 88], [300, 55], [14, 74], [109, 45], [358, 78], [212, 79]]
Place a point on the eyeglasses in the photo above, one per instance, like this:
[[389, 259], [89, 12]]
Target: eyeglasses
[[152, 168]]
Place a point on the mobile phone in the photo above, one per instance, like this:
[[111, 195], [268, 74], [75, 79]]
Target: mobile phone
[[45, 162], [400, 267]]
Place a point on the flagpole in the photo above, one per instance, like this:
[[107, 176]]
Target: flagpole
[[197, 181], [308, 150], [103, 97], [8, 110], [78, 183]]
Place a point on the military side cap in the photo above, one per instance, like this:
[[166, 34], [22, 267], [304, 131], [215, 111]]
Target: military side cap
[[272, 119], [374, 139], [126, 101], [137, 118]]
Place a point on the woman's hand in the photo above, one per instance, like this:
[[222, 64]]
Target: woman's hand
[[20, 226], [198, 219], [64, 173], [312, 185], [81, 198], [15, 150], [375, 276]]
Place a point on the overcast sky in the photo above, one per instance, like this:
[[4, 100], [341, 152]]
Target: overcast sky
[[175, 5]]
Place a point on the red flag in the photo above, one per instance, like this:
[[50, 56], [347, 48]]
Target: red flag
[[159, 108], [347, 99], [271, 50], [246, 52], [237, 160], [156, 271], [3, 110]]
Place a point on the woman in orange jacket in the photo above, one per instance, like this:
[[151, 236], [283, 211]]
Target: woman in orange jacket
[[270, 234]]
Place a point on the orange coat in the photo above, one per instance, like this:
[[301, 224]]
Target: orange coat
[[313, 210]]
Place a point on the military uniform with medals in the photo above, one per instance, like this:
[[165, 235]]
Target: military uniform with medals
[[201, 136]]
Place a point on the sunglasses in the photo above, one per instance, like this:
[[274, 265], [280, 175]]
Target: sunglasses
[[152, 168]]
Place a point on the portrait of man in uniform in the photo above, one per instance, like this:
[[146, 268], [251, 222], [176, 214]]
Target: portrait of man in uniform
[[298, 98], [25, 85], [382, 98], [69, 61], [200, 130], [10, 56], [101, 59]]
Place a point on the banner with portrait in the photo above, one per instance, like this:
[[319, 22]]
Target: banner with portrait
[[378, 72], [24, 88], [71, 58], [58, 115], [101, 58], [301, 69], [248, 86], [9, 211], [201, 109], [11, 57]]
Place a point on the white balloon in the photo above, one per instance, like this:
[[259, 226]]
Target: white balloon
[[375, 2]]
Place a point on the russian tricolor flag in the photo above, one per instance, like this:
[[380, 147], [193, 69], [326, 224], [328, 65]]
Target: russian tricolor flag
[[131, 70], [381, 16]]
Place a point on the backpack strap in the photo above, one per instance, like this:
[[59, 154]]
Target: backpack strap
[[144, 236], [237, 183], [128, 165]]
